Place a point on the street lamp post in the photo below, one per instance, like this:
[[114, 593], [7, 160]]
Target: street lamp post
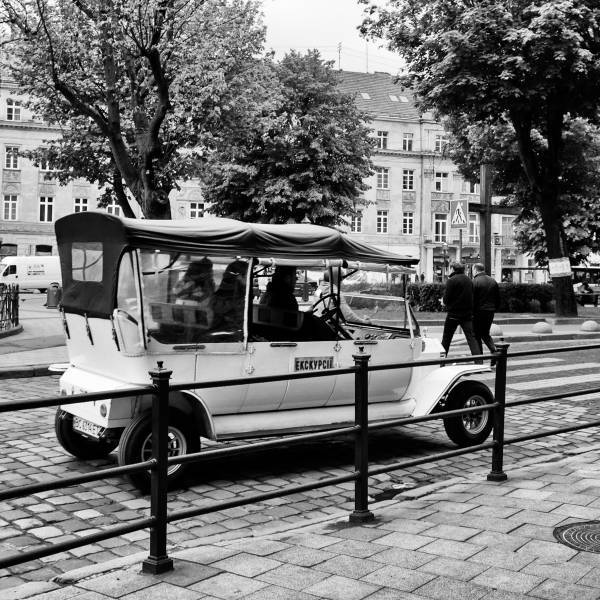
[[444, 269]]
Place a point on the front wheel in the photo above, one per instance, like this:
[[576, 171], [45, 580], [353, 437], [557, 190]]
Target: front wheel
[[136, 446], [472, 428], [77, 444]]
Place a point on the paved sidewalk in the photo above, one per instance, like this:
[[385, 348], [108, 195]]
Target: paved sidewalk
[[468, 539]]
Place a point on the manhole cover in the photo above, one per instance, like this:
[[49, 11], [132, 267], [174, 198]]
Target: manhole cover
[[580, 536]]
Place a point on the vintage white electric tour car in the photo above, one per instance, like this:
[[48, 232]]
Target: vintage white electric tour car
[[214, 299]]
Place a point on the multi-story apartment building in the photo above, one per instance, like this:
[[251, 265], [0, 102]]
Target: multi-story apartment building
[[31, 199], [406, 209]]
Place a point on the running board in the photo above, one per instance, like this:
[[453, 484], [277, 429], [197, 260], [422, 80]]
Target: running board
[[307, 419]]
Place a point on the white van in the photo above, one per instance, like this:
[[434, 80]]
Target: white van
[[31, 272]]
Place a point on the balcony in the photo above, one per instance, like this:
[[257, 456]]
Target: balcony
[[381, 194]]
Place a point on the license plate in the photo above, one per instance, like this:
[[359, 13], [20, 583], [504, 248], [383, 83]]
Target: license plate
[[83, 426]]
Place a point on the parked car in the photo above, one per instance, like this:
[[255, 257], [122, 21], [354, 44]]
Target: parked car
[[128, 302]]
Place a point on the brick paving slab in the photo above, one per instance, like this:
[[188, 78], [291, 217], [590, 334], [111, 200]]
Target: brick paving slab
[[499, 566]]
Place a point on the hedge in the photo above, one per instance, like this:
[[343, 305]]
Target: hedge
[[514, 297]]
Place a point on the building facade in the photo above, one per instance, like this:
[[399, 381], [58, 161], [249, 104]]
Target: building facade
[[406, 208]]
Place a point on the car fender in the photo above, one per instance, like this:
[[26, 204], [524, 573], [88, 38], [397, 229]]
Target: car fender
[[201, 414], [428, 386]]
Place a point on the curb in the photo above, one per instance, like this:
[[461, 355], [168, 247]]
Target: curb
[[11, 331], [29, 371]]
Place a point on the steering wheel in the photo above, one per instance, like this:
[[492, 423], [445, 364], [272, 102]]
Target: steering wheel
[[326, 311]]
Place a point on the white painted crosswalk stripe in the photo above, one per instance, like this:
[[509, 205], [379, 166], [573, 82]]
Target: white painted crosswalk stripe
[[555, 382], [553, 369], [542, 360]]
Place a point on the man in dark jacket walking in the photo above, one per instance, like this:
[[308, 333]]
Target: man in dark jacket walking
[[486, 300], [458, 299]]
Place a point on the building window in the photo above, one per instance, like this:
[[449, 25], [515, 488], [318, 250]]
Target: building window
[[356, 223], [441, 141], [11, 159], [113, 208], [383, 178], [382, 221], [46, 165], [407, 142], [440, 227], [80, 205], [508, 228], [468, 187], [9, 207], [46, 206], [473, 228], [382, 140], [408, 221], [13, 110], [408, 179], [196, 210], [441, 182], [43, 250]]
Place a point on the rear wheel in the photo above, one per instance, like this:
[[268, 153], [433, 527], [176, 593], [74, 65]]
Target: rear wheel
[[77, 444], [472, 428], [136, 446]]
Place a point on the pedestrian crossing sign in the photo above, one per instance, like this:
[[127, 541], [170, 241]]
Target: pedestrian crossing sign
[[458, 219]]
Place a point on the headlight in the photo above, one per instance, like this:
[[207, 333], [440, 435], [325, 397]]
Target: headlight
[[103, 410]]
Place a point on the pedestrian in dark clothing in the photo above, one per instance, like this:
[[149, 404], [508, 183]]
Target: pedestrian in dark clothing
[[486, 301], [458, 299]]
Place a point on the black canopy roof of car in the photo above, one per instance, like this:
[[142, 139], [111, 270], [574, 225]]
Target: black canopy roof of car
[[226, 237], [210, 236]]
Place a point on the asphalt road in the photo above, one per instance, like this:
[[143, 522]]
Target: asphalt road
[[30, 453]]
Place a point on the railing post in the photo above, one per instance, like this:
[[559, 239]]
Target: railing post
[[361, 513], [497, 473], [158, 561]]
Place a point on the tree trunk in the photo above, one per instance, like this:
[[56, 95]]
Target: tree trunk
[[564, 295]]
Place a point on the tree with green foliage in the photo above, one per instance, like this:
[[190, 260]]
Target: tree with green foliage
[[305, 156], [530, 63], [474, 144], [141, 89]]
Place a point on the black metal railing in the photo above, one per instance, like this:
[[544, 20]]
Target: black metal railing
[[9, 306], [158, 561]]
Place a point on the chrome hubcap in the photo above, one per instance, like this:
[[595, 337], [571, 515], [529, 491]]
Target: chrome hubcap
[[474, 423], [176, 446]]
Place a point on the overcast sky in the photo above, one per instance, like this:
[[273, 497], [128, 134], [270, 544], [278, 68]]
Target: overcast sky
[[323, 24]]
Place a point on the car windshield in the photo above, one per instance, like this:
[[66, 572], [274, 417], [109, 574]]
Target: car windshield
[[190, 298], [367, 297]]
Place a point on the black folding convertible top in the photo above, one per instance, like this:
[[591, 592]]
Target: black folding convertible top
[[213, 237]]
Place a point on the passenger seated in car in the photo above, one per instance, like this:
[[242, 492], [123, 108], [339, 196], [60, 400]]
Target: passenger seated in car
[[196, 289], [197, 286], [280, 290], [229, 299]]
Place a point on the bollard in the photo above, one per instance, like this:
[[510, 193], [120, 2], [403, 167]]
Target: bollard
[[53, 296], [497, 473], [158, 561], [361, 513]]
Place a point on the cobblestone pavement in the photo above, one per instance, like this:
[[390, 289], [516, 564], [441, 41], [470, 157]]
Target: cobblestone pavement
[[31, 454]]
